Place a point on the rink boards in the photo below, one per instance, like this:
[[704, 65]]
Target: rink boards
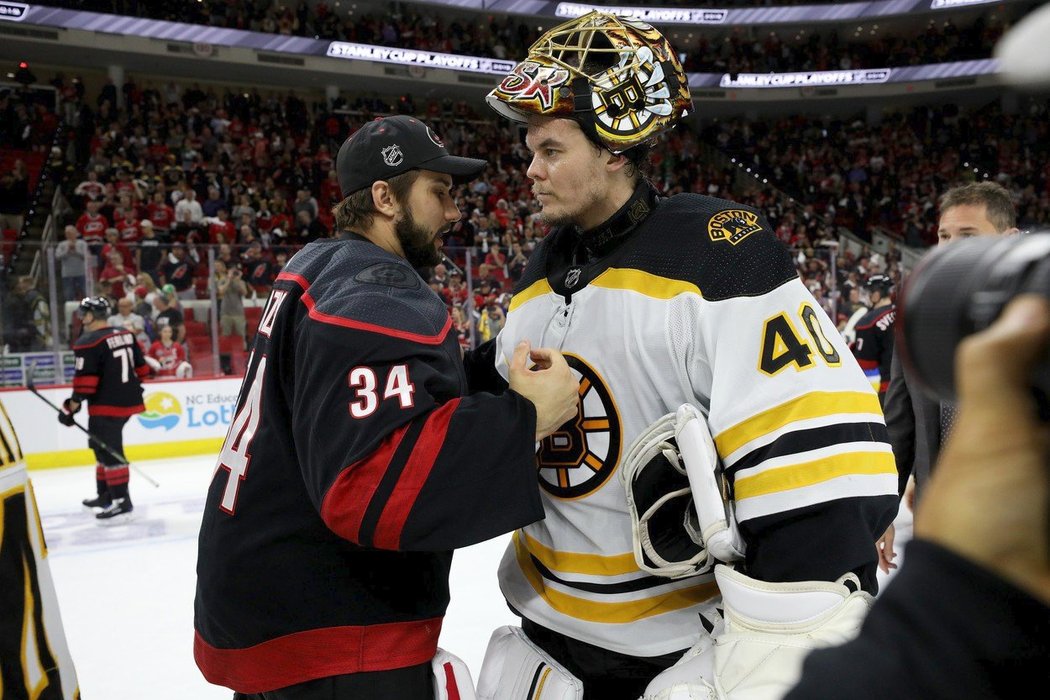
[[183, 417]]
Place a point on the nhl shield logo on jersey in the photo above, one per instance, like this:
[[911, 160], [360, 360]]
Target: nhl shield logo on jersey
[[733, 225], [581, 456], [392, 155]]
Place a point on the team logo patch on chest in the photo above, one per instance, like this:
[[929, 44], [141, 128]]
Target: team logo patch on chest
[[733, 225], [581, 456]]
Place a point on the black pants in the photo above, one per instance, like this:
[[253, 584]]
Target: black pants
[[606, 675], [411, 683], [109, 430]]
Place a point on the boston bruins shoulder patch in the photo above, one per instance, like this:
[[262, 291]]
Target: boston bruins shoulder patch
[[733, 225]]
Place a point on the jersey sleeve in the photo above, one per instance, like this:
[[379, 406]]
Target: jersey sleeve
[[86, 375], [393, 457], [800, 432]]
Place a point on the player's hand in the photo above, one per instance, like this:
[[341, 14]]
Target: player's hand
[[987, 499], [884, 546], [69, 409], [549, 384]]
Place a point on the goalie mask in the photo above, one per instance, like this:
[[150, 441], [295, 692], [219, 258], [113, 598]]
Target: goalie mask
[[618, 78]]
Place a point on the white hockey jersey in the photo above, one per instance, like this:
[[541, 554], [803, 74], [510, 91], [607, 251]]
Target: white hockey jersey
[[34, 656], [696, 304]]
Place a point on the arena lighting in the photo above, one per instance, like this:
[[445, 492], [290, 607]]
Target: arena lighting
[[652, 15], [428, 59], [812, 78], [13, 11]]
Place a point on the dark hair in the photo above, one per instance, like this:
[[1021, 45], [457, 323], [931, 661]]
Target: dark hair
[[358, 210], [999, 205]]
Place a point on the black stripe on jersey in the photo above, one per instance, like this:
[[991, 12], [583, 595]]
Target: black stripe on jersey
[[389, 481], [812, 439], [636, 584], [535, 680]]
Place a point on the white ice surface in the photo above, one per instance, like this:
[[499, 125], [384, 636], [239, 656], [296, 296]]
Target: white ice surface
[[126, 592]]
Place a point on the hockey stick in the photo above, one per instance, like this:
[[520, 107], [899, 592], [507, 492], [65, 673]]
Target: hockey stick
[[91, 436]]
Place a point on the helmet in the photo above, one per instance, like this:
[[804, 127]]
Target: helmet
[[98, 306], [619, 78], [883, 284]]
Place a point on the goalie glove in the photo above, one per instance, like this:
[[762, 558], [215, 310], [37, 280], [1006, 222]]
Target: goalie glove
[[770, 628], [69, 409], [681, 523]]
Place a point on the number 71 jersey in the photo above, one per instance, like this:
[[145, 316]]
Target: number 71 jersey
[[684, 312], [109, 367]]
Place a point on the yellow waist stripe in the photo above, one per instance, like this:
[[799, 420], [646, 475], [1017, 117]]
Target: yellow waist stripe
[[644, 283], [536, 289], [617, 612], [576, 563], [798, 476], [815, 404]]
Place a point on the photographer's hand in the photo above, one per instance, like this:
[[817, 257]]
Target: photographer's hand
[[987, 500]]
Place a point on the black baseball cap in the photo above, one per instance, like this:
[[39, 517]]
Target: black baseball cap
[[390, 146]]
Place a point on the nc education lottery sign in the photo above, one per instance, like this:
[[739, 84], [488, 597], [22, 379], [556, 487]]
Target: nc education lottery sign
[[181, 418]]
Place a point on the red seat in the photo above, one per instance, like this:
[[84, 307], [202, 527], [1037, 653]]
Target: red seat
[[197, 328], [233, 345]]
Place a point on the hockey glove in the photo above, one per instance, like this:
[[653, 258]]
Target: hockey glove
[[69, 409]]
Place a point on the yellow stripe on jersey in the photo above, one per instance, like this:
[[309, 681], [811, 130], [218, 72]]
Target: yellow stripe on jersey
[[815, 404], [644, 283], [536, 289], [804, 474], [612, 612], [539, 686], [575, 563]]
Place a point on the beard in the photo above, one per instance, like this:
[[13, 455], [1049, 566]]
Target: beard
[[417, 242]]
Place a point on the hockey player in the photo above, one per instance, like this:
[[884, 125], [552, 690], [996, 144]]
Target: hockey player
[[873, 343], [350, 471], [109, 367], [660, 303]]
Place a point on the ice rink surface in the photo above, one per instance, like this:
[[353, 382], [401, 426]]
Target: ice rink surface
[[126, 592]]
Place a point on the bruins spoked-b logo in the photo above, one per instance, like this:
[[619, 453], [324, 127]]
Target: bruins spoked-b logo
[[582, 454]]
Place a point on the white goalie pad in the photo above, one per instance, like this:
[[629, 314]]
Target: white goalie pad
[[770, 628], [452, 679], [680, 520], [516, 669]]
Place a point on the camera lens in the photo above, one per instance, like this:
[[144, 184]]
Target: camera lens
[[960, 289]]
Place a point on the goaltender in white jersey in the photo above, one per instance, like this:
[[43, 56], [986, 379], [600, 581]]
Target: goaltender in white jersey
[[658, 302], [734, 332]]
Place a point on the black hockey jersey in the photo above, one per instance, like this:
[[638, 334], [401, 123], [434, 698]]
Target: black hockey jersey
[[109, 367], [353, 467], [873, 346]]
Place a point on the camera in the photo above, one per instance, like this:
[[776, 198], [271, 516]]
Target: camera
[[960, 289]]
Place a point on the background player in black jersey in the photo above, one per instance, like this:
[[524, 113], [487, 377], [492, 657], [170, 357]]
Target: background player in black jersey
[[109, 367], [351, 469], [873, 345]]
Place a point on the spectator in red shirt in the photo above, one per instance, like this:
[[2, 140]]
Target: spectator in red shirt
[[161, 214], [92, 226], [117, 274], [168, 358], [220, 228]]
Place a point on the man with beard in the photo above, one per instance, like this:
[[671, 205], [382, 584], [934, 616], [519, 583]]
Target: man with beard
[[683, 315], [323, 569]]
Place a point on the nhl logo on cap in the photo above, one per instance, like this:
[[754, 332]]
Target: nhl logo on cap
[[392, 155]]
